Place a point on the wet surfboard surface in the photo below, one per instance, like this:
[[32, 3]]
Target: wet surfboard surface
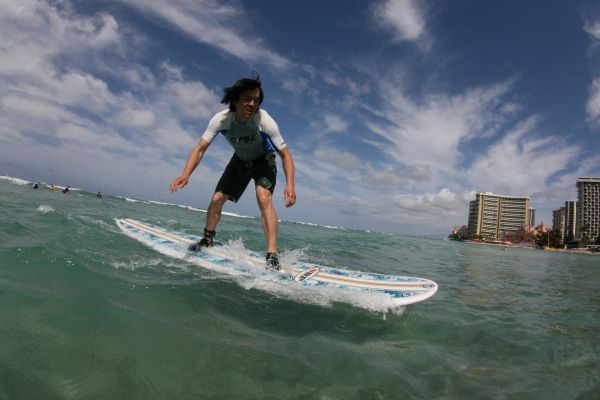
[[397, 290]]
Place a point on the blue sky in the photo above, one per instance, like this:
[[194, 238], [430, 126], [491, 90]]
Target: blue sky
[[396, 112]]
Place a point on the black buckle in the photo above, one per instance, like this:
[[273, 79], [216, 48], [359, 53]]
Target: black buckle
[[209, 234]]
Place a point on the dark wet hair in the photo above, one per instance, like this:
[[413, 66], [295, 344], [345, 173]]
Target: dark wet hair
[[233, 93]]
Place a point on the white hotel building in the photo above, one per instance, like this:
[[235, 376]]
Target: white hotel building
[[588, 207], [492, 216]]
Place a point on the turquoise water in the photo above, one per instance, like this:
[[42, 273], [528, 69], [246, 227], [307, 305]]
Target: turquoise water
[[87, 313]]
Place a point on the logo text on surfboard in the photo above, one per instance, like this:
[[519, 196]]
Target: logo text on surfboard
[[306, 274]]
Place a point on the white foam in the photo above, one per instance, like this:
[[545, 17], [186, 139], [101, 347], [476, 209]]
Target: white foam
[[318, 225], [193, 208], [235, 247], [237, 215], [45, 209], [322, 296], [16, 181], [162, 203], [95, 221], [58, 187], [133, 265], [132, 200]]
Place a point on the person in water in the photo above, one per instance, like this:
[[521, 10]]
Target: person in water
[[255, 139], [67, 190]]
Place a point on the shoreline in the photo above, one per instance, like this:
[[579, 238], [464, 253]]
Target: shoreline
[[507, 245], [572, 251]]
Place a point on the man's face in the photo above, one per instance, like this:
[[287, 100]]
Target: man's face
[[247, 104]]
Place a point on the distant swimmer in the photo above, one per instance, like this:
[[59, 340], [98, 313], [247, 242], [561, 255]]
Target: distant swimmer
[[36, 186], [99, 195], [67, 190]]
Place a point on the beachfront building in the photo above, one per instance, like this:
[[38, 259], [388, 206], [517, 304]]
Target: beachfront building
[[588, 202], [558, 224], [531, 221], [564, 222], [570, 232], [494, 217]]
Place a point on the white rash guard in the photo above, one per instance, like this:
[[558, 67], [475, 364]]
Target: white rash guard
[[250, 140]]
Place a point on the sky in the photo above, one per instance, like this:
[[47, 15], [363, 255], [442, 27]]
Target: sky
[[396, 112]]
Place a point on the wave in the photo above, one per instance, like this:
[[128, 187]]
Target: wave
[[339, 228], [16, 181], [23, 182], [237, 215]]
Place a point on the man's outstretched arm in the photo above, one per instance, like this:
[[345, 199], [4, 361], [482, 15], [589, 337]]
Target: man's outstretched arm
[[190, 165]]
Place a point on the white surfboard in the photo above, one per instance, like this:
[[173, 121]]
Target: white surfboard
[[400, 290]]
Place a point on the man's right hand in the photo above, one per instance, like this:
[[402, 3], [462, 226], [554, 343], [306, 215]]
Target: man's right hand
[[190, 165], [178, 183]]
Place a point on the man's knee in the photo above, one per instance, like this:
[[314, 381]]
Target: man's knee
[[219, 199], [264, 198]]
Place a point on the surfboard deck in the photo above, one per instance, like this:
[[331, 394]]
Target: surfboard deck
[[401, 290]]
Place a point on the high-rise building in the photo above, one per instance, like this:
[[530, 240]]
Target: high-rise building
[[570, 228], [531, 221], [588, 201], [493, 216], [558, 224]]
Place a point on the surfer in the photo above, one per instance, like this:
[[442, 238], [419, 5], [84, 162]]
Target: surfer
[[255, 139]]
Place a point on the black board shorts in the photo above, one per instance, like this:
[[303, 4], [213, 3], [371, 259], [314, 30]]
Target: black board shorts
[[238, 174]]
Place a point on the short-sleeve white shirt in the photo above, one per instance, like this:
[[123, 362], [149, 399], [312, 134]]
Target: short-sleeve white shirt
[[250, 140]]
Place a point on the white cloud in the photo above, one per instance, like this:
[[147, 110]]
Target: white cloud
[[429, 132], [334, 123], [404, 18], [593, 29], [44, 92], [521, 162], [33, 109], [193, 99], [215, 24], [135, 75], [341, 159], [391, 176], [593, 104], [77, 133], [295, 85], [329, 123], [82, 90], [33, 32], [563, 188], [445, 202], [136, 119]]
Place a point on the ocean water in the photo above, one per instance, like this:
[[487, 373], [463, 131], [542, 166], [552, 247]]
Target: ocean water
[[87, 313]]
